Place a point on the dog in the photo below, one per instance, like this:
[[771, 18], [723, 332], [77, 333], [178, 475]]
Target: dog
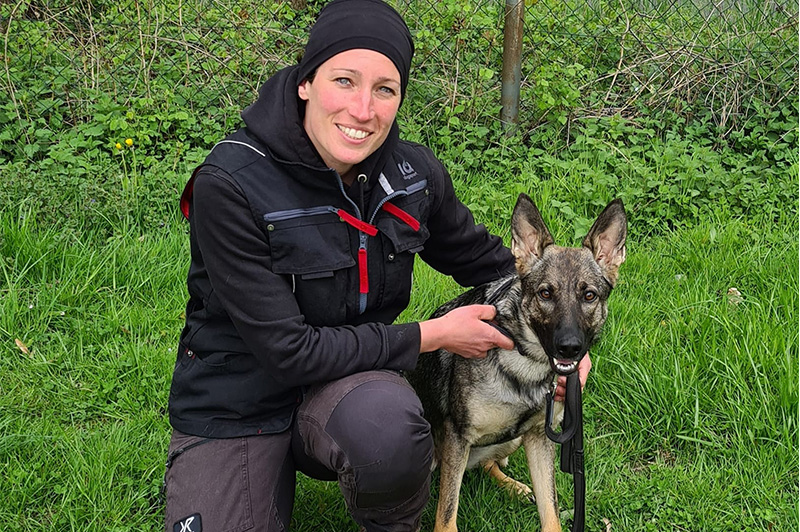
[[553, 307]]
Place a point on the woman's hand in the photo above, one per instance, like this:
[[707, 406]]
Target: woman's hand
[[463, 331], [583, 372]]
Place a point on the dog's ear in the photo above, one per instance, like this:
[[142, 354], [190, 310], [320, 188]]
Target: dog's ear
[[606, 239], [529, 234]]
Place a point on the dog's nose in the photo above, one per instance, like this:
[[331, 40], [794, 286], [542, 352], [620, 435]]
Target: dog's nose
[[570, 348]]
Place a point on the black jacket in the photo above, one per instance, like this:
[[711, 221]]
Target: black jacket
[[295, 278]]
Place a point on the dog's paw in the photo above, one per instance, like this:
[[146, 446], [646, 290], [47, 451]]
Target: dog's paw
[[518, 490]]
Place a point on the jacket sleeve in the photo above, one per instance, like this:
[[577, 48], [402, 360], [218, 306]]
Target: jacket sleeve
[[458, 246], [262, 307]]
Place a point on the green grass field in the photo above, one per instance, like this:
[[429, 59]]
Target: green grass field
[[691, 407]]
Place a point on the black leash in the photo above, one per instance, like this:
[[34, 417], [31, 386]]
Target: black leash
[[571, 440]]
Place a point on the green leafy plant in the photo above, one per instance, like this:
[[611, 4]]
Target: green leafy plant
[[691, 405]]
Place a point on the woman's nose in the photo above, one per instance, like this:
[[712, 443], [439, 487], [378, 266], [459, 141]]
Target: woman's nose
[[361, 106]]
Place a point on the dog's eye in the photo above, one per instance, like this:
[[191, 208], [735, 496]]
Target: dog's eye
[[544, 293], [589, 296]]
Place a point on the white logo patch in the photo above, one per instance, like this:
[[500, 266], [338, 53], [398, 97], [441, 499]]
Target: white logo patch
[[407, 170], [193, 523]]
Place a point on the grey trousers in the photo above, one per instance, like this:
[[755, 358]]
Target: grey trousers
[[365, 430]]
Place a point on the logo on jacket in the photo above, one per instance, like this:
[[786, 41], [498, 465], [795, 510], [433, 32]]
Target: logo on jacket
[[407, 170]]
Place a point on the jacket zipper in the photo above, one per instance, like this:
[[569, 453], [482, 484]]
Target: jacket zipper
[[363, 241], [365, 229], [289, 214], [363, 278], [416, 187]]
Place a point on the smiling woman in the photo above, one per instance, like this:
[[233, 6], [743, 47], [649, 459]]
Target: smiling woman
[[304, 228], [349, 111]]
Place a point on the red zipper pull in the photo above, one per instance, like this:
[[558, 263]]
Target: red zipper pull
[[363, 277], [412, 222], [364, 227]]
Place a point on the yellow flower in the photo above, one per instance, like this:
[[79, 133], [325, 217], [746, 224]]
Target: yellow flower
[[118, 146], [129, 142]]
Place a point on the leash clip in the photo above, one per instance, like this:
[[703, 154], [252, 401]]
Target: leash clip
[[567, 429]]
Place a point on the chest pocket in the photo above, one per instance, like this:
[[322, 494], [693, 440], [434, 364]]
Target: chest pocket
[[404, 230], [313, 246], [404, 220]]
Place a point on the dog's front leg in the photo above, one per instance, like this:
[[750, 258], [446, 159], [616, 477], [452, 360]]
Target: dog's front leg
[[455, 452], [541, 454]]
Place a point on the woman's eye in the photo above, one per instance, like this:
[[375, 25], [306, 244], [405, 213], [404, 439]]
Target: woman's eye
[[544, 293], [388, 91], [342, 81], [589, 296]]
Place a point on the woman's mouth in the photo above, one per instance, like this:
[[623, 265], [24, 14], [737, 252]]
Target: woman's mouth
[[355, 134]]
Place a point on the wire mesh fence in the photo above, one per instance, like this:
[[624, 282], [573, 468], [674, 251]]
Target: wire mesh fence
[[672, 53], [102, 64]]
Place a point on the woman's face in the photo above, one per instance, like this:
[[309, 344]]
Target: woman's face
[[351, 105]]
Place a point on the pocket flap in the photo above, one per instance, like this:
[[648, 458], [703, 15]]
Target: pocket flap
[[403, 236], [312, 248]]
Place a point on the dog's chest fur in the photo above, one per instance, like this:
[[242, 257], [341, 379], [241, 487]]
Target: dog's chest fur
[[512, 401]]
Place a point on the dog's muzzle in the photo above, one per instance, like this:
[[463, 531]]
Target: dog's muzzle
[[570, 347]]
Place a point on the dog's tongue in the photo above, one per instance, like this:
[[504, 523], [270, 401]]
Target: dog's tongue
[[564, 362]]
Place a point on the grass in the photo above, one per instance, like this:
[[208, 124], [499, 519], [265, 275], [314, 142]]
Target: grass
[[83, 421], [710, 382], [691, 407]]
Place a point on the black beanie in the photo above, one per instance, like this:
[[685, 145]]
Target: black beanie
[[348, 24]]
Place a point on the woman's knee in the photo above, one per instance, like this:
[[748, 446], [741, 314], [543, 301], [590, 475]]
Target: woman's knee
[[387, 443]]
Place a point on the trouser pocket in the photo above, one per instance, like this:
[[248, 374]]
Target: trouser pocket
[[207, 485]]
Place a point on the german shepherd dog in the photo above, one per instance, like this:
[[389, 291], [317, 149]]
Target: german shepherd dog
[[553, 307]]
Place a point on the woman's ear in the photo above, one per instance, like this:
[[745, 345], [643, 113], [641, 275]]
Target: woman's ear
[[302, 90]]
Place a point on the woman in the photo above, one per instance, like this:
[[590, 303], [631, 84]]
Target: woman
[[304, 228]]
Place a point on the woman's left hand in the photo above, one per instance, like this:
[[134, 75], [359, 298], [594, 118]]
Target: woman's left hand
[[583, 372]]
